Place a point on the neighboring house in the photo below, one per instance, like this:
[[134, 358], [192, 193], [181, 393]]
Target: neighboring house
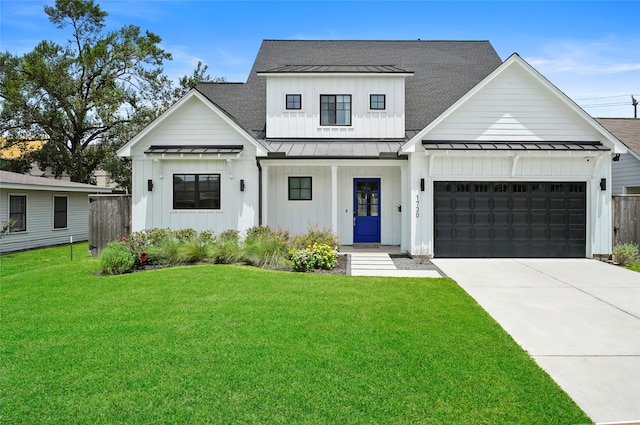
[[16, 151], [436, 146], [626, 170], [46, 211]]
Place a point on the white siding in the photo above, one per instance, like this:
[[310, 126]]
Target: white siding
[[513, 107], [296, 216], [40, 231], [194, 124], [499, 167], [626, 173], [305, 123]]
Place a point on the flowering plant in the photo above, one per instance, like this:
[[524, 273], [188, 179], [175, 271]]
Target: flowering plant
[[5, 227]]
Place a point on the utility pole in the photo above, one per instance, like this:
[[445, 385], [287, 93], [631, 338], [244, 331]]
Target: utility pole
[[634, 102]]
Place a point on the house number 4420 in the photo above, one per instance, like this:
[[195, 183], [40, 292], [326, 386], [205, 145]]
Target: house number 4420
[[417, 206]]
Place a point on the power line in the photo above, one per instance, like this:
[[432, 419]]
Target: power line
[[607, 97]]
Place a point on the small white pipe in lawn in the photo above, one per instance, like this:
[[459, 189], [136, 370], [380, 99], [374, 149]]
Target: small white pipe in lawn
[[71, 246]]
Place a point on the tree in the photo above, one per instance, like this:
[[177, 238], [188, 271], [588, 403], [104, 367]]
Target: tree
[[100, 85]]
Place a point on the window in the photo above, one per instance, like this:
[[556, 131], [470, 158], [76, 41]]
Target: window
[[335, 109], [294, 101], [377, 101], [18, 212], [299, 188], [196, 191], [59, 212]]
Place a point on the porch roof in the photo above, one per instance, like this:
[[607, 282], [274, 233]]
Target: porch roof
[[194, 149], [336, 149], [475, 145]]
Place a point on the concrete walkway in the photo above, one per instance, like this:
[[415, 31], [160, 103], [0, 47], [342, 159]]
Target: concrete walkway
[[579, 319], [381, 264]]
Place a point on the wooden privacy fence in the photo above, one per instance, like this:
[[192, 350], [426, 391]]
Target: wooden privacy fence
[[109, 220], [626, 219]]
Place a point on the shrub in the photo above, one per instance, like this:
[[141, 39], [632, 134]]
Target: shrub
[[625, 253], [183, 235], [117, 258], [302, 260], [267, 250], [226, 249], [324, 256], [195, 248], [315, 235], [257, 232], [166, 252]]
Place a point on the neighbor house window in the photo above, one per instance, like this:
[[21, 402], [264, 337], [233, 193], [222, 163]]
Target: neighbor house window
[[294, 101], [335, 109], [59, 212], [299, 188], [196, 191], [377, 102], [18, 212]]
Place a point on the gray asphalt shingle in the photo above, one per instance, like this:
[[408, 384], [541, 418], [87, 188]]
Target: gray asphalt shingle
[[443, 71]]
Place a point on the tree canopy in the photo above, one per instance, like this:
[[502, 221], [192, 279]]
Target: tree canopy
[[88, 97]]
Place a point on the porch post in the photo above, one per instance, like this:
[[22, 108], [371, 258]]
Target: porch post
[[265, 195], [334, 198]]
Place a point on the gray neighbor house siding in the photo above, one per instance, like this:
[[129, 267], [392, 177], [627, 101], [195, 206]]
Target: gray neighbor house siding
[[41, 227], [626, 171]]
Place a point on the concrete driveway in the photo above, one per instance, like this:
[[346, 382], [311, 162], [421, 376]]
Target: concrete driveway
[[579, 319]]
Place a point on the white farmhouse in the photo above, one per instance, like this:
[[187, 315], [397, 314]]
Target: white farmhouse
[[436, 146]]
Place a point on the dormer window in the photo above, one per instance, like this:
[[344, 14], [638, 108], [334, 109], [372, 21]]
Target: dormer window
[[294, 101], [335, 109], [377, 102]]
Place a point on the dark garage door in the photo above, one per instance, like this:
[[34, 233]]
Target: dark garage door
[[506, 219]]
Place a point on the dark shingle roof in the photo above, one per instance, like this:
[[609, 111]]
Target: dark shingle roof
[[627, 130], [443, 72]]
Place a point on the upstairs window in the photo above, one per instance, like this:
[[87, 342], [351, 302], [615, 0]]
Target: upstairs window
[[18, 212], [59, 212], [294, 101], [377, 102], [299, 188], [196, 191], [335, 109]]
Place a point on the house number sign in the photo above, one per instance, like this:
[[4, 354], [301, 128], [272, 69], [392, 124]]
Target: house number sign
[[417, 206]]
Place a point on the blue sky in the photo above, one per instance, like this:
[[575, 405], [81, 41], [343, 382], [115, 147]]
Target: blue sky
[[588, 49]]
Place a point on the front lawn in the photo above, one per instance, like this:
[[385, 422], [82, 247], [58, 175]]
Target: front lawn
[[241, 345]]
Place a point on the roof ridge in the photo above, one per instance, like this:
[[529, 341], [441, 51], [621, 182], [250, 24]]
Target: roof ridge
[[376, 40]]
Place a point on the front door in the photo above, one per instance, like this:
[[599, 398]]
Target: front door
[[366, 210]]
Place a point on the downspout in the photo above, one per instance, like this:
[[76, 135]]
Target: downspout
[[259, 191]]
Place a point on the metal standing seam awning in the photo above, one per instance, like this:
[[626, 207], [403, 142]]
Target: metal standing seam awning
[[513, 146], [194, 149]]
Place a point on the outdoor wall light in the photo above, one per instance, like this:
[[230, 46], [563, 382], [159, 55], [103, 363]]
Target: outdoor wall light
[[150, 185], [241, 185], [616, 157], [421, 185], [603, 184]]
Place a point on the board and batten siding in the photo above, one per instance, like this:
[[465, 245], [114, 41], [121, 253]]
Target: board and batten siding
[[194, 124], [40, 231], [626, 175], [297, 216], [513, 107], [365, 123], [556, 167]]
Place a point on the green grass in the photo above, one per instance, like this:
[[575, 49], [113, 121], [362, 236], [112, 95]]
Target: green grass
[[634, 266], [240, 345]]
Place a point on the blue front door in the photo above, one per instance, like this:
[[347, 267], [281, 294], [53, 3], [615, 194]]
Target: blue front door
[[366, 210]]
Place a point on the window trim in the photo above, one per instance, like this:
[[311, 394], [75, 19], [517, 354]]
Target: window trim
[[26, 205], [196, 191], [286, 102], [310, 198], [66, 212], [384, 102], [335, 111]]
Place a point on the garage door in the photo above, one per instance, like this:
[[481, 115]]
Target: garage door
[[507, 219]]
